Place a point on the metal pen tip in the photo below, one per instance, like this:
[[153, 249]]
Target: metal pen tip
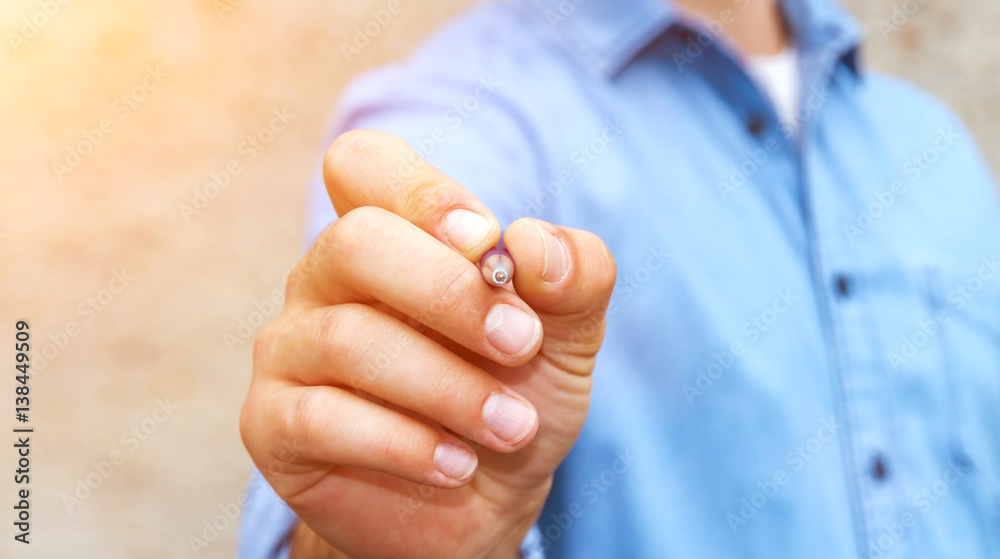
[[498, 268]]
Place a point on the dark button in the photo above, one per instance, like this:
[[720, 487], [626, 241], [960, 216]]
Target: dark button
[[843, 285], [879, 471], [756, 125], [962, 461]]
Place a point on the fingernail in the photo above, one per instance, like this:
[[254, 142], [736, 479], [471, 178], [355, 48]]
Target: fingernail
[[465, 229], [511, 330], [556, 256], [508, 418], [454, 461]]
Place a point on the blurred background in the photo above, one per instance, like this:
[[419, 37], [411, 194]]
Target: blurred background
[[154, 163]]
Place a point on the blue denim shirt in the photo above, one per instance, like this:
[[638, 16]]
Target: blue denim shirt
[[803, 348]]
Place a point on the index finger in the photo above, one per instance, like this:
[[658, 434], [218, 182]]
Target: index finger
[[373, 168]]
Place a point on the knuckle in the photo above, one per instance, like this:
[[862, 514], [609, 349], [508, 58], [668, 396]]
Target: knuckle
[[348, 235], [393, 444], [248, 426], [265, 345], [449, 386], [349, 150], [337, 333], [299, 423], [454, 286], [425, 194]]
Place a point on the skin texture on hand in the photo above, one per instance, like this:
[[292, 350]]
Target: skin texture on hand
[[401, 405]]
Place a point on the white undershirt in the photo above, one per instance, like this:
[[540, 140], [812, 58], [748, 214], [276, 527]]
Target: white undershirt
[[779, 76]]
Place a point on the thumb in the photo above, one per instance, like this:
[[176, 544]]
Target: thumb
[[566, 276]]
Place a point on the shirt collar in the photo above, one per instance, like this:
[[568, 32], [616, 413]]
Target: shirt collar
[[605, 35]]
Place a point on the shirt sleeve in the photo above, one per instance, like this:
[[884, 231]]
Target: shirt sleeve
[[266, 523]]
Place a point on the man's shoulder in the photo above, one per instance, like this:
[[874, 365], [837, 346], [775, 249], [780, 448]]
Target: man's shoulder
[[897, 102], [495, 50]]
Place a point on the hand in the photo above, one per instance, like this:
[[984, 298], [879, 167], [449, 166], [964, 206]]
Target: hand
[[400, 405]]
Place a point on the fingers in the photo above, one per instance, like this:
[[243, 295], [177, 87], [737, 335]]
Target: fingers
[[332, 427], [377, 256], [370, 168], [566, 276], [359, 347]]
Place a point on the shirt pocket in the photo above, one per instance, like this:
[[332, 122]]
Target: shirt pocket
[[969, 306]]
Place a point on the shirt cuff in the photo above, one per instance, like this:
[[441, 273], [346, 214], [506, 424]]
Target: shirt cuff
[[531, 548], [266, 523]]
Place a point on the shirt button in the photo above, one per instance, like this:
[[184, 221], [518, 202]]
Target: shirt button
[[755, 125], [843, 285], [879, 471]]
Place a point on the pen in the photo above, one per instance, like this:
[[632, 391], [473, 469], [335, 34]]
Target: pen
[[497, 266]]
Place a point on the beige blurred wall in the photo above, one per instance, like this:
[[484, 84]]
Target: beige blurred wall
[[218, 69]]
